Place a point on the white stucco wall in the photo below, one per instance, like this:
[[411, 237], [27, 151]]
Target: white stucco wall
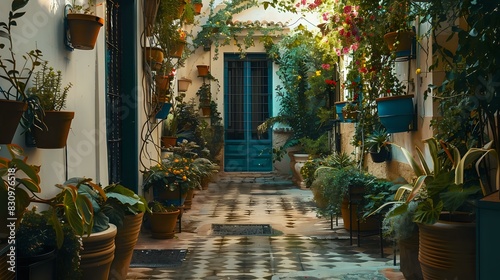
[[42, 27]]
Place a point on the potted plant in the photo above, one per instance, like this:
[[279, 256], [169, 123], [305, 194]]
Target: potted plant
[[53, 129], [183, 84], [377, 144], [17, 106], [203, 70], [83, 26], [163, 220], [445, 191], [399, 19]]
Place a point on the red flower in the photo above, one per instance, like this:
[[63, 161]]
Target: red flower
[[331, 82]]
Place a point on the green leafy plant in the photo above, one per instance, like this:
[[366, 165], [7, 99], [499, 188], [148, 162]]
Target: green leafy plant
[[378, 140], [87, 7], [47, 86], [125, 202]]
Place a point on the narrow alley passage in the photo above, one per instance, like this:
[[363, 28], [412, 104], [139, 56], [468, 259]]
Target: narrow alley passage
[[300, 246]]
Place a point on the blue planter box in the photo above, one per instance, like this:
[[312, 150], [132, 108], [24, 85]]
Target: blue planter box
[[396, 113]]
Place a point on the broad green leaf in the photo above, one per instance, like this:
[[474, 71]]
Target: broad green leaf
[[29, 184], [18, 4], [54, 221], [30, 170]]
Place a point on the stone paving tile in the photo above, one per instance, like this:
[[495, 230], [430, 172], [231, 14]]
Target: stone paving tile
[[302, 244]]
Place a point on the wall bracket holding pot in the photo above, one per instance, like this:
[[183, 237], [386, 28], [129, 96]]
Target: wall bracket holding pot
[[67, 36]]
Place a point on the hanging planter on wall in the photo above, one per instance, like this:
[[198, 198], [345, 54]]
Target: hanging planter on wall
[[183, 84], [163, 113], [162, 83], [338, 109], [396, 113], [81, 30], [202, 70], [154, 57], [178, 49], [401, 42], [58, 124], [197, 6], [10, 115]]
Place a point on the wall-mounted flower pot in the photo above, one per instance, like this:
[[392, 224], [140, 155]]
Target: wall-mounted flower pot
[[162, 83], [10, 115], [178, 49], [401, 42], [163, 113], [202, 70], [206, 111], [150, 11], [338, 109], [154, 57], [183, 84], [57, 129], [396, 113], [83, 30], [197, 8]]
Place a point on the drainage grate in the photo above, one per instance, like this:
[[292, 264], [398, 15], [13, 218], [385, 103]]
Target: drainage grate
[[158, 258], [241, 229]]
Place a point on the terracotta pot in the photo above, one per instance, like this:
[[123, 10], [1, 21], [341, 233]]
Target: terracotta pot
[[154, 57], [163, 224], [369, 224], [447, 250], [162, 84], [168, 141], [183, 84], [197, 8], [83, 30], [177, 49], [10, 116], [408, 258], [57, 131], [98, 253], [204, 183], [400, 42], [202, 70], [206, 111], [125, 240], [150, 11]]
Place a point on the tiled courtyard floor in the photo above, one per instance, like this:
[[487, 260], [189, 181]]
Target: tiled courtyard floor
[[301, 247]]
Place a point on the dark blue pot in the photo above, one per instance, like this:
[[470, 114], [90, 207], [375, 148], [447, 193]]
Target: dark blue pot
[[164, 111], [396, 112]]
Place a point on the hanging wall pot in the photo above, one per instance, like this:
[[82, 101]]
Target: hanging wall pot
[[401, 42], [54, 136], [81, 30], [183, 84], [338, 109], [10, 116], [163, 113], [154, 57], [202, 70], [396, 113]]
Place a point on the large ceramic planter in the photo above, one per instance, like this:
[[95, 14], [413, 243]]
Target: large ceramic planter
[[83, 30], [447, 250], [125, 240], [10, 116], [56, 133], [400, 42], [163, 224], [396, 113], [408, 258], [41, 267], [98, 253]]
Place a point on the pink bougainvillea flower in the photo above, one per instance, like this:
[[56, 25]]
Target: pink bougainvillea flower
[[303, 2], [347, 9], [326, 16], [325, 66], [355, 47]]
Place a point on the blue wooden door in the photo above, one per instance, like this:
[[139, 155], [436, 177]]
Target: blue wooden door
[[247, 103]]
